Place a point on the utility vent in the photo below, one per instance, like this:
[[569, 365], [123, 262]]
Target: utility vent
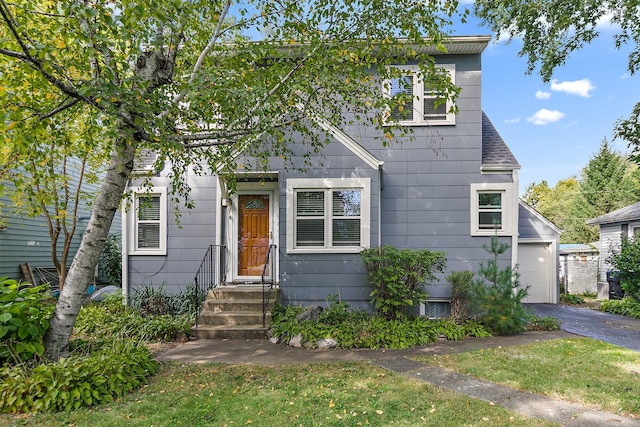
[[437, 309], [145, 161]]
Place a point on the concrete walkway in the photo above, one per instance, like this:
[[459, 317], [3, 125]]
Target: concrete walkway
[[263, 352]]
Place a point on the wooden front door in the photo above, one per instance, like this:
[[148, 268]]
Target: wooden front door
[[253, 233]]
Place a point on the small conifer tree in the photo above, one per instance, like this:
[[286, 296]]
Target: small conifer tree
[[498, 295]]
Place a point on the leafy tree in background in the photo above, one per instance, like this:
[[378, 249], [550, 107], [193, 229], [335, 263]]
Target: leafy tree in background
[[535, 194], [553, 29], [196, 82], [554, 203], [46, 179], [608, 182]]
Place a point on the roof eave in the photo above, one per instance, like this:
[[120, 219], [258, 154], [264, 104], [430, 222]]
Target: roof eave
[[499, 168], [596, 221], [454, 45], [460, 45]]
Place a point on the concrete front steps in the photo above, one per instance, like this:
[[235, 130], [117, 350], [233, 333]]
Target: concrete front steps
[[235, 312]]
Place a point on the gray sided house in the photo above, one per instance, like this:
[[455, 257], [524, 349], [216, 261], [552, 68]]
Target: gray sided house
[[25, 239], [614, 226], [358, 195]]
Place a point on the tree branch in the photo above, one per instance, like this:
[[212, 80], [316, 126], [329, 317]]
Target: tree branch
[[220, 138], [58, 109], [206, 50], [14, 54], [68, 89]]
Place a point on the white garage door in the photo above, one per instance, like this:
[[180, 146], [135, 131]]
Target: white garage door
[[537, 270]]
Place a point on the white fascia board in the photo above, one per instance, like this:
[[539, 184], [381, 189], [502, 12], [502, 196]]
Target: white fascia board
[[349, 143], [538, 215], [498, 168], [338, 134]]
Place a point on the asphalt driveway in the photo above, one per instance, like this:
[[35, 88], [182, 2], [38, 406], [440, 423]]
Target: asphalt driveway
[[611, 328]]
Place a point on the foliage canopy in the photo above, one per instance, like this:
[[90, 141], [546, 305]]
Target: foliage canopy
[[551, 30], [197, 82], [608, 182]]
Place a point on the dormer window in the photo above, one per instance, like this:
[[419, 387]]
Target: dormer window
[[416, 103]]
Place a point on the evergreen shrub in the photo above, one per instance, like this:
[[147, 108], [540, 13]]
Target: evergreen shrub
[[461, 295], [498, 295]]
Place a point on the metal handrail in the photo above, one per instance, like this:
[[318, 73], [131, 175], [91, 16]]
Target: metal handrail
[[265, 298], [210, 275]]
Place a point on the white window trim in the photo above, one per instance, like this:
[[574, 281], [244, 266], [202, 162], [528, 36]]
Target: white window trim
[[363, 184], [418, 90], [132, 216], [631, 229], [509, 209]]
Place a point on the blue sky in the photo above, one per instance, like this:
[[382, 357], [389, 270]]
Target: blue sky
[[554, 129]]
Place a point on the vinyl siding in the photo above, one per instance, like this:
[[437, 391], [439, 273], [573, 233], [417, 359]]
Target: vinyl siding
[[531, 226], [420, 200], [610, 239], [187, 240], [27, 239]]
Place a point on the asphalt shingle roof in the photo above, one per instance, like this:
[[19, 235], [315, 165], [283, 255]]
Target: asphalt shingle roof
[[628, 213], [495, 153]]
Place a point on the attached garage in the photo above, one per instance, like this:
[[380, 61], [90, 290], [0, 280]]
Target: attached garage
[[538, 242], [537, 268]]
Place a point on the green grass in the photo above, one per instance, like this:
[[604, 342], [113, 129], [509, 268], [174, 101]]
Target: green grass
[[341, 394], [579, 370]]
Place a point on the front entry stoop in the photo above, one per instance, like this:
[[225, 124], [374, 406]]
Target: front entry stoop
[[235, 312]]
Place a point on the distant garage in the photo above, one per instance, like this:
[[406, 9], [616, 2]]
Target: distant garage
[[538, 241]]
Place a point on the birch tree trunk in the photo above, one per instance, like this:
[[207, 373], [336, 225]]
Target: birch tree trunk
[[82, 269]]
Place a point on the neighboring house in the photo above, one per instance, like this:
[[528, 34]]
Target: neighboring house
[[614, 226], [359, 195], [579, 267], [26, 239]]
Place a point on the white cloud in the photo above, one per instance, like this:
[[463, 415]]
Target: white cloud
[[544, 117], [512, 121], [577, 87], [604, 22], [543, 95], [625, 76]]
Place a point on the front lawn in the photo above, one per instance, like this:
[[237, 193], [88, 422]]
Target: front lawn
[[341, 394], [579, 370]]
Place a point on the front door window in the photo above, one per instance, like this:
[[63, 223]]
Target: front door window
[[253, 233]]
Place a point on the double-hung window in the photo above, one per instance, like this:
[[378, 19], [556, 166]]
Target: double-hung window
[[416, 102], [328, 215], [147, 226], [492, 209]]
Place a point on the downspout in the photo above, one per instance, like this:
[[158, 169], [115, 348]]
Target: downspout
[[221, 225], [125, 252], [516, 220], [380, 188]]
